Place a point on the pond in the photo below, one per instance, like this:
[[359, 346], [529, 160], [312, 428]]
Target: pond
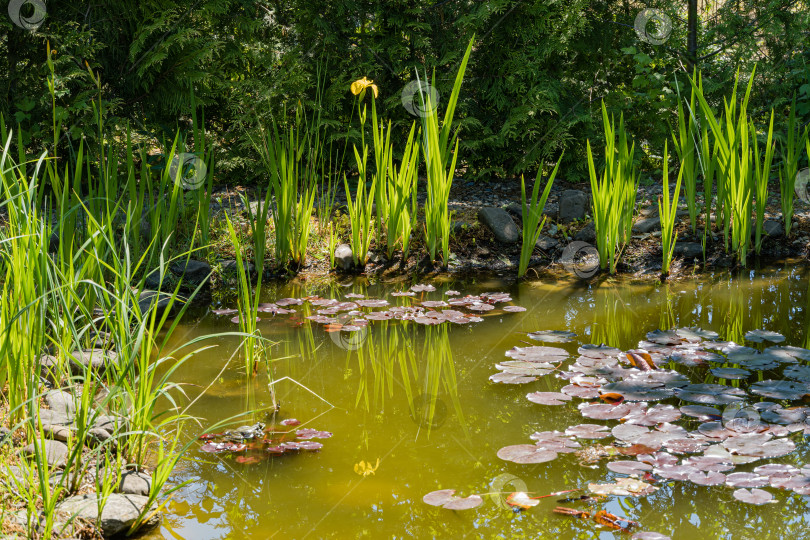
[[412, 410]]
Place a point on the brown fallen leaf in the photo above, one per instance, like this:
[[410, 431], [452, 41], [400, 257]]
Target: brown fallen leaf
[[572, 512], [603, 517], [642, 361], [613, 398]]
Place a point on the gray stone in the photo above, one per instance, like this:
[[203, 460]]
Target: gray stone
[[550, 210], [56, 418], [587, 234], [57, 432], [55, 452], [344, 258], [773, 228], [230, 267], [546, 242], [500, 223], [159, 301], [192, 272], [156, 280], [119, 513], [647, 225], [573, 205], [49, 368], [61, 401], [688, 250], [5, 437], [134, 482], [98, 359]]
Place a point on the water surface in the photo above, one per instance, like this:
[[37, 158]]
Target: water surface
[[418, 399]]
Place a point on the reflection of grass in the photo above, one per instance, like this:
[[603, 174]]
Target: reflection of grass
[[388, 363], [612, 322]]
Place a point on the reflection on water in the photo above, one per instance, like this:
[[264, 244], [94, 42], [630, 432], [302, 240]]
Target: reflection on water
[[412, 411]]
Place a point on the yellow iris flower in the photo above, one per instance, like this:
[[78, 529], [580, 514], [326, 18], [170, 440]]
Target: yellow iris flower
[[360, 86]]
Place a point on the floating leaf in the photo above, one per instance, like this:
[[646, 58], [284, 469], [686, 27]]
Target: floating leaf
[[758, 336], [513, 309], [588, 431], [309, 433], [624, 487], [526, 453], [711, 478], [521, 499], [753, 496], [629, 467], [290, 422], [423, 288], [788, 390], [548, 398], [746, 480], [511, 378], [695, 334], [730, 373], [649, 536], [701, 412], [552, 336]]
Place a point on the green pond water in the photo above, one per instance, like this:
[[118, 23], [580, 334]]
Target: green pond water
[[379, 408]]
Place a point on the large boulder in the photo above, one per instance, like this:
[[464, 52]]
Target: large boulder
[[573, 205], [344, 258], [61, 401], [587, 233], [688, 250], [56, 452], [191, 272], [500, 223], [119, 513], [161, 302], [98, 359]]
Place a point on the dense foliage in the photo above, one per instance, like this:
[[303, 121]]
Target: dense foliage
[[536, 78]]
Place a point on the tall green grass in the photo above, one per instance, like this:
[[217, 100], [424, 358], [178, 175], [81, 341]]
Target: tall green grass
[[613, 193], [440, 151], [735, 168], [686, 148], [668, 213], [533, 218], [762, 172], [790, 153]]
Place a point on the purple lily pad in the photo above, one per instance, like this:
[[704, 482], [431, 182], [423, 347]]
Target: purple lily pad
[[526, 453], [552, 336], [588, 431], [753, 496], [629, 467], [711, 478], [548, 398], [758, 336]]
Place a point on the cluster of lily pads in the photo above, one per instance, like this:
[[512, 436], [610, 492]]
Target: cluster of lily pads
[[758, 419], [742, 411], [254, 444], [348, 315]]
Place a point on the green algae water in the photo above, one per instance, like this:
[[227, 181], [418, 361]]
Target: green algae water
[[412, 410]]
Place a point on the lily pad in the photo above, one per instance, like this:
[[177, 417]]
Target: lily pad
[[710, 478], [588, 431], [548, 398], [730, 373], [526, 453], [753, 496], [624, 487], [629, 467], [746, 480], [758, 336], [446, 499], [775, 389], [513, 309], [553, 336]]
